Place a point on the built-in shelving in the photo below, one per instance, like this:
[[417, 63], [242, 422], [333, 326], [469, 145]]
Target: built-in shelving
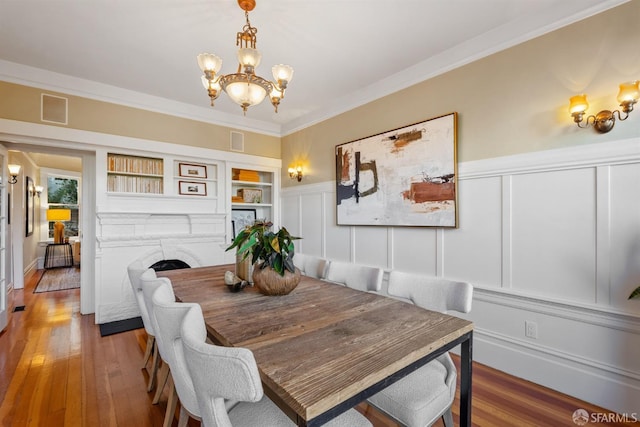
[[134, 174], [252, 189], [195, 179]]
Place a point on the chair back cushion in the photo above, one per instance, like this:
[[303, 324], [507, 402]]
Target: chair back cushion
[[315, 267], [355, 276], [218, 373], [169, 316], [432, 293], [134, 271], [150, 283]]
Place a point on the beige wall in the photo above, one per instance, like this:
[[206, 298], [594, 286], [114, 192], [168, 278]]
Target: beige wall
[[514, 101], [23, 103]]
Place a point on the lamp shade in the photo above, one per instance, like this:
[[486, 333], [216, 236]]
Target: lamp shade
[[282, 73], [209, 62], [14, 169], [249, 57], [58, 214], [629, 92], [578, 104], [245, 93]]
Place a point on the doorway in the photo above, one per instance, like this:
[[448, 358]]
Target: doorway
[[42, 162]]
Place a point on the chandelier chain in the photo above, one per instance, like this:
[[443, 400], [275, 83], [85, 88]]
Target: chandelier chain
[[247, 38]]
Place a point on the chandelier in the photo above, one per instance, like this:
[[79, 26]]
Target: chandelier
[[244, 87]]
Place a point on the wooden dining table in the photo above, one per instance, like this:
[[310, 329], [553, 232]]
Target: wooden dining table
[[324, 348]]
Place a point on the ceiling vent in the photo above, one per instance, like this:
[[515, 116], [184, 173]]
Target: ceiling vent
[[53, 109], [237, 141]]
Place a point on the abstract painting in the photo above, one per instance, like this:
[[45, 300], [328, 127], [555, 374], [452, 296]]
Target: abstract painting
[[402, 177]]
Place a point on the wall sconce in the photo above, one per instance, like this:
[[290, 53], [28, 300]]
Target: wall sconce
[[39, 190], [14, 170], [603, 121], [296, 173]]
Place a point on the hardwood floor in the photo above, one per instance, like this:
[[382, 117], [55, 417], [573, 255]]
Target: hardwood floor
[[56, 370]]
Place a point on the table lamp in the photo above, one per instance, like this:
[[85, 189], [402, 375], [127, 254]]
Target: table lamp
[[58, 215]]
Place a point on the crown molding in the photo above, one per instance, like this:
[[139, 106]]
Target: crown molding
[[496, 40], [47, 80]]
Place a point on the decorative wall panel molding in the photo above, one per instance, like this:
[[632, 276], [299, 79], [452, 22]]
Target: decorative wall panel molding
[[551, 238]]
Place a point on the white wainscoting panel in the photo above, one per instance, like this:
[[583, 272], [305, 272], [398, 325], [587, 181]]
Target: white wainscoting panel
[[411, 244], [624, 245], [371, 246], [548, 237], [291, 216], [311, 206], [338, 242], [553, 233], [473, 252]]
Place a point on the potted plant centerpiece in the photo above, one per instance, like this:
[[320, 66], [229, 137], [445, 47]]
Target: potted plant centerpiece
[[271, 255]]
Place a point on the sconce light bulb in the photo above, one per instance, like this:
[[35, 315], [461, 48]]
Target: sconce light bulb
[[578, 104], [629, 92]]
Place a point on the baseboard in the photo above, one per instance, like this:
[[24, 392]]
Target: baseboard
[[119, 326], [597, 385]]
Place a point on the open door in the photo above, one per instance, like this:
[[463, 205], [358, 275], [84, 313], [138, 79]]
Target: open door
[[3, 239]]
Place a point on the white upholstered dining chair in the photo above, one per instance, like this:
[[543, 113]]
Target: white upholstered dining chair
[[355, 276], [220, 373], [425, 395], [134, 271], [168, 316], [310, 265], [149, 283]]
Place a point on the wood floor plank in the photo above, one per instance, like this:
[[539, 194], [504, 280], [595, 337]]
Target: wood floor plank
[[57, 371]]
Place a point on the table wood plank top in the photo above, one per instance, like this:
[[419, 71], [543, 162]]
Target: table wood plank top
[[323, 343]]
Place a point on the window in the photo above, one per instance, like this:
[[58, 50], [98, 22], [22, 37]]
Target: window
[[62, 193]]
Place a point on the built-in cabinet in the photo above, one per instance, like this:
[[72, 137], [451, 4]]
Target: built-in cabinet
[[177, 184]]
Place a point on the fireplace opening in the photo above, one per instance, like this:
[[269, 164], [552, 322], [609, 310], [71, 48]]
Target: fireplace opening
[[169, 264]]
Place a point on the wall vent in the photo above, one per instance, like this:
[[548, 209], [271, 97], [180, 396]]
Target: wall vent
[[53, 109], [237, 141]]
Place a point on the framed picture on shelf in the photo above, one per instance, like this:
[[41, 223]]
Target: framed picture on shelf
[[241, 218], [30, 207], [192, 171], [191, 188], [250, 195]]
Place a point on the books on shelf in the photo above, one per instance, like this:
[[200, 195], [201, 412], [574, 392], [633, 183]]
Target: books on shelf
[[133, 164], [134, 174], [134, 184]]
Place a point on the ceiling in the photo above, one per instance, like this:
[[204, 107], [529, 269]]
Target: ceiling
[[345, 53]]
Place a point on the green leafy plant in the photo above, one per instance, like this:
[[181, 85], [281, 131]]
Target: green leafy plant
[[635, 294], [276, 250]]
